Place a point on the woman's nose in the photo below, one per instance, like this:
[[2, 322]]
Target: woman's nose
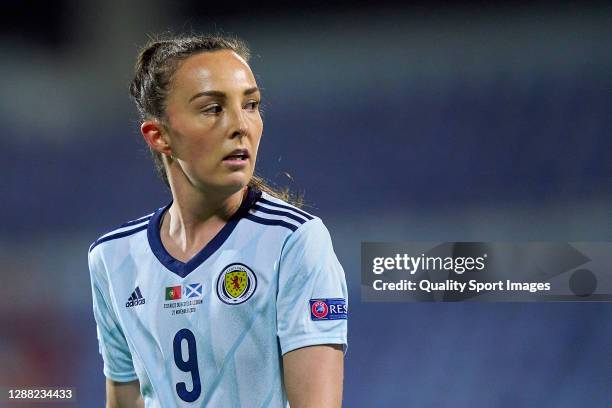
[[238, 124]]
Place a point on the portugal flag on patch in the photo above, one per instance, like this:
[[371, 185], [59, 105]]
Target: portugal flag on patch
[[173, 292]]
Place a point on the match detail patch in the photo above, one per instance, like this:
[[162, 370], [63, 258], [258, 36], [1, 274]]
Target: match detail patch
[[328, 309]]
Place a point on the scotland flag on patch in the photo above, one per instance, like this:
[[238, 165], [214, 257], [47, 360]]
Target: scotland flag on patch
[[328, 309], [193, 290]]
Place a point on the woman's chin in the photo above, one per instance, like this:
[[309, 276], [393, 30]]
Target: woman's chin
[[229, 184]]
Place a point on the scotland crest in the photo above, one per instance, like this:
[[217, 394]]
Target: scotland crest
[[236, 284]]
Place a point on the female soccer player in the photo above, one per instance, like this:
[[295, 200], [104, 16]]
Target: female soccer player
[[228, 296]]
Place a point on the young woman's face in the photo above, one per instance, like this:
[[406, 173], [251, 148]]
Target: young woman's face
[[213, 120]]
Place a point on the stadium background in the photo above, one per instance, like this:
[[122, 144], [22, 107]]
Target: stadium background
[[423, 122]]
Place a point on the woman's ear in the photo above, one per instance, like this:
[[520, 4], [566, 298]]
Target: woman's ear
[[154, 133]]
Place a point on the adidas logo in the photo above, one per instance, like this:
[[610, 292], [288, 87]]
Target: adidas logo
[[135, 299]]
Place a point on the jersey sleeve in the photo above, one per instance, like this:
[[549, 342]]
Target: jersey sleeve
[[113, 346], [312, 303]]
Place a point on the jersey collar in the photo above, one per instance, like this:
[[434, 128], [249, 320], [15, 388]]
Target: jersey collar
[[183, 269]]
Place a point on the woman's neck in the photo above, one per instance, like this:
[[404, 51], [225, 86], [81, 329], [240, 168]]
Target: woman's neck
[[194, 218]]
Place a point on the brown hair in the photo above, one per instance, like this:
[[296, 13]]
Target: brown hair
[[156, 63]]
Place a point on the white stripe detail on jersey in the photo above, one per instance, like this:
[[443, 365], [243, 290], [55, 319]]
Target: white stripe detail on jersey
[[129, 227], [279, 212], [285, 210], [274, 217], [284, 206], [132, 222]]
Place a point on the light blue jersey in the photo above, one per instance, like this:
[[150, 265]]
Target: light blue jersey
[[212, 331]]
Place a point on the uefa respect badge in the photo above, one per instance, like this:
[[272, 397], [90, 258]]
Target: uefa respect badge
[[328, 309]]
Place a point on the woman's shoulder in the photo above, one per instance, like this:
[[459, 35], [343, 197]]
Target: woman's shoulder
[[269, 210], [304, 225], [273, 201], [124, 230]]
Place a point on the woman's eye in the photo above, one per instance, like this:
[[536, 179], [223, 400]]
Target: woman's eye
[[252, 105], [212, 109]]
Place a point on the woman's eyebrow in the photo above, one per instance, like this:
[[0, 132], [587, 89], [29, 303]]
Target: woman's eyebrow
[[208, 93], [251, 90], [220, 94]]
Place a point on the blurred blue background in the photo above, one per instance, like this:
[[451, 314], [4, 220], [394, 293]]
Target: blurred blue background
[[431, 122]]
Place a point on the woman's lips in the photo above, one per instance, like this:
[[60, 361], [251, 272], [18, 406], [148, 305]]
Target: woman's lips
[[237, 158]]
